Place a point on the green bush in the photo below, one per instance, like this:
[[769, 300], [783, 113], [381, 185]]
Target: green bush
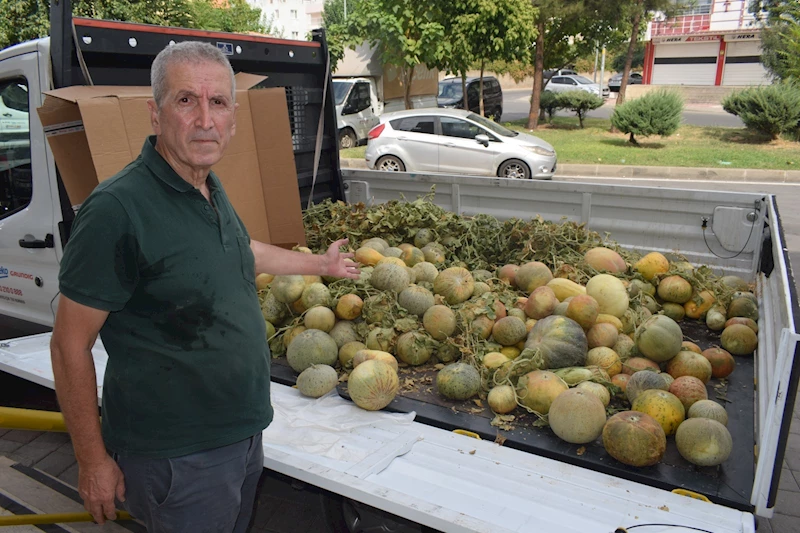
[[655, 113], [769, 109], [549, 103], [580, 102]]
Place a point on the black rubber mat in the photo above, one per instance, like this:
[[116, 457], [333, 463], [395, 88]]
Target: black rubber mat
[[729, 484]]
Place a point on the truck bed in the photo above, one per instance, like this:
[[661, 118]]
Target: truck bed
[[438, 478]]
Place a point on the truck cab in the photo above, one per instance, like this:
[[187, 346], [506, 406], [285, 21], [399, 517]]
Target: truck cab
[[357, 109], [29, 198]]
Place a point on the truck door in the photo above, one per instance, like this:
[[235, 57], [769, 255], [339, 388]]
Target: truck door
[[28, 262], [359, 104]]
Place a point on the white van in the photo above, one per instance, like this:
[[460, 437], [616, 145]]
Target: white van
[[357, 109]]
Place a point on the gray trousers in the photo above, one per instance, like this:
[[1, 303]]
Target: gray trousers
[[212, 491]]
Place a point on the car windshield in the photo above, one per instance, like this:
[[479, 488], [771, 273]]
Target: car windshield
[[494, 127], [340, 90], [582, 80], [450, 90]]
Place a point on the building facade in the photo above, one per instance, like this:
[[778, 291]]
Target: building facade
[[714, 42], [291, 19]]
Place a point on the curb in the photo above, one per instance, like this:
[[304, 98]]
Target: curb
[[748, 175]]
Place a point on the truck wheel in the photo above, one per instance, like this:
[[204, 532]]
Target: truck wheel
[[497, 115], [347, 139], [514, 168], [390, 163]]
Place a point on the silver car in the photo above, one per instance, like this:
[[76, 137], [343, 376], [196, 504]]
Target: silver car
[[456, 141], [560, 84]]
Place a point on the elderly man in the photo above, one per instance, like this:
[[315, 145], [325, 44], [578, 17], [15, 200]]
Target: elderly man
[[162, 268]]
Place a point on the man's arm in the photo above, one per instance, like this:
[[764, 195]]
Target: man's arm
[[75, 332], [278, 261]]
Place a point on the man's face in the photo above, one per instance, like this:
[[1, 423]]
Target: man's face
[[197, 117]]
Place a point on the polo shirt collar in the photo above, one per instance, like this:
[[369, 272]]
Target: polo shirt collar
[[159, 166]]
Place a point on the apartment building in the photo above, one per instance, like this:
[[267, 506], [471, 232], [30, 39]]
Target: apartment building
[[291, 19], [713, 42]]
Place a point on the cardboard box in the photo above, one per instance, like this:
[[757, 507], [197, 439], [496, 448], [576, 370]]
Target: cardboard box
[[94, 131]]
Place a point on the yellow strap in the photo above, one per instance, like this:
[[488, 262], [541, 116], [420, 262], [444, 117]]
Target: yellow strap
[[467, 433], [691, 494], [58, 518]]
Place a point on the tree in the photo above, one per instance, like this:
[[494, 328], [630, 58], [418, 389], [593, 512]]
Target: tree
[[339, 33], [618, 62], [638, 10], [486, 30], [567, 31], [234, 16], [30, 19], [407, 33], [656, 113], [780, 38], [580, 102]]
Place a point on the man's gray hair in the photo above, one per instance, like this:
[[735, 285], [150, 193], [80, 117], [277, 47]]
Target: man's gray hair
[[191, 52]]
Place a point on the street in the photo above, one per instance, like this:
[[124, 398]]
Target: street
[[516, 106]]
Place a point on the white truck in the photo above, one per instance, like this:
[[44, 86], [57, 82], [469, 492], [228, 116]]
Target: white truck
[[364, 88], [388, 470]]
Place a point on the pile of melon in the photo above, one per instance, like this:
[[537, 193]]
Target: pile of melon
[[594, 347]]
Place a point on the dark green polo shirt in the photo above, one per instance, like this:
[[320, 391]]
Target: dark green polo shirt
[[188, 360]]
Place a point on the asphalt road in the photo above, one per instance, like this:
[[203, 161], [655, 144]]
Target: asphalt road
[[516, 106]]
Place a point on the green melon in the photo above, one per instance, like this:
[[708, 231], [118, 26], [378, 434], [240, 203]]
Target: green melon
[[659, 338], [311, 347], [288, 289], [317, 380], [415, 299], [458, 381], [389, 277]]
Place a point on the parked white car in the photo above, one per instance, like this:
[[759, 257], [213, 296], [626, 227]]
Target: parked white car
[[456, 141], [561, 84]]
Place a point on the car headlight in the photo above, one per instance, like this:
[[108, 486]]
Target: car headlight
[[538, 150]]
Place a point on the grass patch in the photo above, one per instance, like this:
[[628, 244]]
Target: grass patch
[[353, 153], [691, 146]]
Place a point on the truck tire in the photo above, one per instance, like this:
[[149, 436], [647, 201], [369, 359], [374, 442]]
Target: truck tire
[[514, 168], [347, 139], [390, 163]]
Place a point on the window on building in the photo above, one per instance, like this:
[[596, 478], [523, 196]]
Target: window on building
[[295, 35], [698, 7], [293, 13], [277, 13], [15, 147]]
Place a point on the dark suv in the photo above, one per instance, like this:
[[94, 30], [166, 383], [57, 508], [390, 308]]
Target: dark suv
[[450, 95]]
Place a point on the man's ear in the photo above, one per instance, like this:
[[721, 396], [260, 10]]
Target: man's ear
[[233, 125], [154, 120]]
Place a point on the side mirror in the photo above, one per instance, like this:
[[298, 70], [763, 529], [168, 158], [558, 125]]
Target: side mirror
[[482, 139]]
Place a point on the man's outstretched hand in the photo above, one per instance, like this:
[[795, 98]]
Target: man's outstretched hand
[[340, 264]]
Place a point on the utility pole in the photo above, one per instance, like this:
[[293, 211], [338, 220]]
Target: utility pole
[[602, 68], [345, 9], [594, 72]]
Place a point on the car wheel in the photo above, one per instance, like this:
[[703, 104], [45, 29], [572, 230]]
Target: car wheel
[[497, 115], [347, 139], [514, 168], [390, 163]]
